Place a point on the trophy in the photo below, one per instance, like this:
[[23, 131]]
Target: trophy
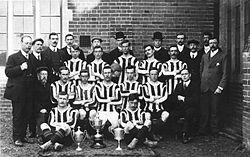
[[98, 138], [78, 137], [118, 135]]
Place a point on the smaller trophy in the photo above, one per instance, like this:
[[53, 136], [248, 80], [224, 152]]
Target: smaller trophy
[[118, 135], [78, 137], [98, 138]]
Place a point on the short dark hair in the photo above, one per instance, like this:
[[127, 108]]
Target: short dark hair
[[63, 68], [133, 96], [181, 33], [153, 68], [76, 47], [84, 71], [53, 33], [106, 67], [125, 41], [63, 93], [207, 33], [97, 47], [148, 45], [172, 46], [68, 35], [185, 69], [130, 67]]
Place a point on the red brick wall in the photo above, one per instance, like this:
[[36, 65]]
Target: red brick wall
[[138, 19]]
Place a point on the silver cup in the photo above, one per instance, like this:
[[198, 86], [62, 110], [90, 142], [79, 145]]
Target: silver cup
[[118, 135], [78, 137], [98, 138]]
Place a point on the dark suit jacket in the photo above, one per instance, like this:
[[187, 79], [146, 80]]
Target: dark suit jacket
[[194, 66], [183, 54], [65, 55], [191, 94], [114, 54], [213, 71], [18, 87]]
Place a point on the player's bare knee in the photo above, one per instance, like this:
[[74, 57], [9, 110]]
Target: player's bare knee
[[44, 126], [164, 116]]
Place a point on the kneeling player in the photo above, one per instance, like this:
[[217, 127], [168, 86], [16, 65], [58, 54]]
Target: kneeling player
[[136, 124], [62, 120]]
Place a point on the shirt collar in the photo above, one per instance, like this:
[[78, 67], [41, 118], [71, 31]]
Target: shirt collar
[[193, 53], [25, 54], [206, 49], [187, 83], [180, 47], [157, 49], [36, 54], [53, 48]]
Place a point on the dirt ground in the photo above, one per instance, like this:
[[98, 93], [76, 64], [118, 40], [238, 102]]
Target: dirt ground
[[198, 147]]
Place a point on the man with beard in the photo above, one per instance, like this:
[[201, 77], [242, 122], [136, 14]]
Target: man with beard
[[66, 51], [194, 60], [117, 52], [54, 57], [205, 49], [18, 89], [42, 100], [214, 75], [182, 49], [160, 53]]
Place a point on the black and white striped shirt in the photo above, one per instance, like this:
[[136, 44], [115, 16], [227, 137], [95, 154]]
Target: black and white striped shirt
[[75, 66], [86, 93], [155, 93], [145, 65], [172, 69], [124, 62], [136, 117], [95, 68], [103, 94]]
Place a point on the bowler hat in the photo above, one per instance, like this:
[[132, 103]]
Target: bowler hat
[[39, 69], [38, 39], [157, 35], [96, 38], [119, 35], [193, 41]]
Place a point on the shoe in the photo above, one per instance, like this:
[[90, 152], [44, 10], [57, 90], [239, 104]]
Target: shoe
[[40, 140], [18, 143], [58, 146], [46, 146], [25, 140], [132, 144], [150, 144], [185, 138]]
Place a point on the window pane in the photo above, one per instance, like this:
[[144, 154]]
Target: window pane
[[45, 24], [28, 24], [3, 8], [3, 43], [3, 57], [55, 24], [18, 7], [28, 7], [18, 24], [55, 7], [3, 22], [45, 7]]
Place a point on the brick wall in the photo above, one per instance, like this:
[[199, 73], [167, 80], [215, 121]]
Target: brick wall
[[138, 19]]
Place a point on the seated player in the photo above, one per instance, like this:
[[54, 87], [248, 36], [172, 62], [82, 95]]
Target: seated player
[[62, 120], [130, 86], [136, 124], [186, 96], [155, 96], [75, 64], [148, 63], [85, 100], [108, 97], [97, 65], [63, 85]]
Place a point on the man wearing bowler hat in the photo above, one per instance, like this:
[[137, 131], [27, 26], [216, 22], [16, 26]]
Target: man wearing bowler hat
[[117, 52], [161, 54]]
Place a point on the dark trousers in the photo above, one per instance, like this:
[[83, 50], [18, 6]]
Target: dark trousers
[[188, 114], [140, 134], [41, 118], [209, 112], [20, 112]]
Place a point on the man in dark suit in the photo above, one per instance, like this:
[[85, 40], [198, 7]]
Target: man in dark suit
[[161, 54], [205, 47], [97, 42], [186, 101], [18, 89], [53, 54], [194, 60], [183, 50], [117, 52], [214, 75], [66, 51]]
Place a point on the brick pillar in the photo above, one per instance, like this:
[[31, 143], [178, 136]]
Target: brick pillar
[[246, 95]]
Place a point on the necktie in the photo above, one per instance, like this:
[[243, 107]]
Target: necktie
[[39, 57], [184, 85]]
